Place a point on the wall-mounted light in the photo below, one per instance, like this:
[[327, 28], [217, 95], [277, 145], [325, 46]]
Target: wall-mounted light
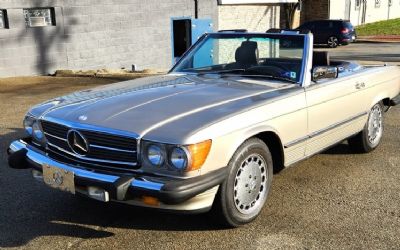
[[39, 17]]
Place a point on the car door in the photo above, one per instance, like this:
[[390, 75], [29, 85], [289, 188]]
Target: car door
[[325, 31], [336, 110]]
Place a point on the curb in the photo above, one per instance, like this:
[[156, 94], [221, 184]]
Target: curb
[[379, 39]]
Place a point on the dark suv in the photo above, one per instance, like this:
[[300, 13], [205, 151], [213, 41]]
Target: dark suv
[[331, 32]]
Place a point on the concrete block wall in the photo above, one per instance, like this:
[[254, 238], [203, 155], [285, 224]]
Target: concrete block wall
[[92, 34], [252, 17]]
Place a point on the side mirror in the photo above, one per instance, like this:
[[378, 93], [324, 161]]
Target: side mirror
[[324, 72]]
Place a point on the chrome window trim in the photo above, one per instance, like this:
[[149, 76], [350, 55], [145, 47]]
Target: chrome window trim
[[92, 159], [308, 38], [305, 77]]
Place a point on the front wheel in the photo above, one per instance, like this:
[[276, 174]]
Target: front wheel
[[243, 194], [370, 137]]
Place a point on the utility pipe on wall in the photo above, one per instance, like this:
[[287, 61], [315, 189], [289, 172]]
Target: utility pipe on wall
[[196, 9]]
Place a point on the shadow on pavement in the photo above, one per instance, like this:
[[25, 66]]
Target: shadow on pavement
[[340, 149]]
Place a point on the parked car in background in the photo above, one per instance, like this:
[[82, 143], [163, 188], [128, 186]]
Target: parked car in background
[[331, 32]]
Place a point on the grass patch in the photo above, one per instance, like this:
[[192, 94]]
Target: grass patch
[[389, 27]]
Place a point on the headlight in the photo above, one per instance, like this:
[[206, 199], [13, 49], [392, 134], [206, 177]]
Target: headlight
[[155, 155], [171, 157], [28, 123], [179, 158], [37, 132]]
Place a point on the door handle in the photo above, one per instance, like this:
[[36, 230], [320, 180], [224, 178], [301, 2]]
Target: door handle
[[360, 85]]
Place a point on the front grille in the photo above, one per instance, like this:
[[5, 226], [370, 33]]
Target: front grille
[[105, 149]]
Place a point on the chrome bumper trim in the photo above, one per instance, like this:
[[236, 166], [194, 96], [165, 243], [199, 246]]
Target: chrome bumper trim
[[40, 158]]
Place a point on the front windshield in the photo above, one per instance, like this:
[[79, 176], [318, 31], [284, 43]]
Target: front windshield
[[266, 55]]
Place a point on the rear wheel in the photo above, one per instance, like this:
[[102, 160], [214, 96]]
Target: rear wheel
[[333, 42], [243, 194], [370, 137]]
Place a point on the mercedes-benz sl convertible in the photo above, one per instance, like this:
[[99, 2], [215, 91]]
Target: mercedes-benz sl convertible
[[236, 108]]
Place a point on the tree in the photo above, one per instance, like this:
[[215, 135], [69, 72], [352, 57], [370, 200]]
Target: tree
[[290, 10]]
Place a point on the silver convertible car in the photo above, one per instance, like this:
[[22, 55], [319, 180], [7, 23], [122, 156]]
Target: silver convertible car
[[236, 108]]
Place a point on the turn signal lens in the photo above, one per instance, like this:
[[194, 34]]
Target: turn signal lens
[[198, 154], [151, 201]]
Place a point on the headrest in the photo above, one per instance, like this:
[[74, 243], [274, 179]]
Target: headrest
[[247, 53], [321, 58]]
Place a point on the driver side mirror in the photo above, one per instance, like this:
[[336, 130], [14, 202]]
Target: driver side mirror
[[324, 72]]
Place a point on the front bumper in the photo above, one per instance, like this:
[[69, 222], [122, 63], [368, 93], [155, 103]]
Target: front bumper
[[347, 38], [193, 194]]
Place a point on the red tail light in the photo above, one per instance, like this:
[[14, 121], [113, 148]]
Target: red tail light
[[345, 30]]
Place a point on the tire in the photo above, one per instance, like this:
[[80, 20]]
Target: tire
[[370, 137], [332, 42], [243, 194]]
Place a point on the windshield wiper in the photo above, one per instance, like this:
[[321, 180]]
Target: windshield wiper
[[266, 76], [222, 71], [272, 77], [241, 71]]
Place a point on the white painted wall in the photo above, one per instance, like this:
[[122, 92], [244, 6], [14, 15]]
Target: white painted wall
[[251, 17], [372, 14]]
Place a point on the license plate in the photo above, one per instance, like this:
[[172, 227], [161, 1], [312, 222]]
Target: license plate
[[353, 37], [59, 178]]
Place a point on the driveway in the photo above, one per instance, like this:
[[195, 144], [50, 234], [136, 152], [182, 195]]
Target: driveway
[[367, 52], [335, 200]]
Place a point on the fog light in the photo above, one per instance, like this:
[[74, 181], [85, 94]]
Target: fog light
[[151, 201], [37, 175], [98, 194]]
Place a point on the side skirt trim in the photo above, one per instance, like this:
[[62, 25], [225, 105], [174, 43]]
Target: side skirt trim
[[319, 132]]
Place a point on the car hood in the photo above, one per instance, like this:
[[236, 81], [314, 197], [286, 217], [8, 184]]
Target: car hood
[[143, 105]]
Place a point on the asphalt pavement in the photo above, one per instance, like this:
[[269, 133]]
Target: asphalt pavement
[[334, 200], [367, 52]]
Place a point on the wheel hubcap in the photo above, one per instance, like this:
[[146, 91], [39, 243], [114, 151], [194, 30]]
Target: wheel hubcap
[[375, 125], [250, 184], [332, 41]]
